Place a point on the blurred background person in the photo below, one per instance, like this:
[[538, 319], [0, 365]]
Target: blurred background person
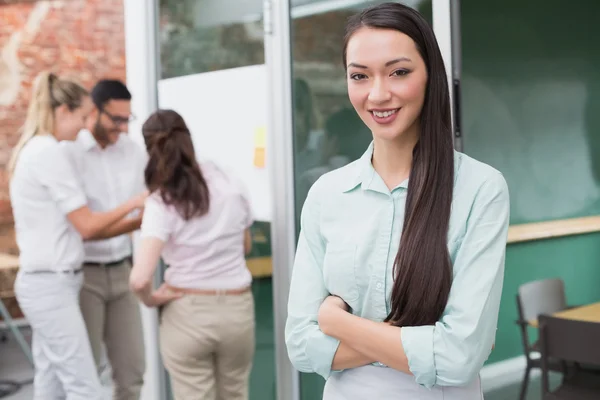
[[345, 139], [198, 218], [111, 166], [51, 222], [306, 134]]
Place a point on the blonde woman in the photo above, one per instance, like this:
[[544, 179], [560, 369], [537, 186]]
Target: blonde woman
[[51, 222]]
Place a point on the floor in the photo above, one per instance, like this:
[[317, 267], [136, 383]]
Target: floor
[[512, 392], [14, 366]]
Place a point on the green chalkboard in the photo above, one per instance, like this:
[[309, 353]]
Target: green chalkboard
[[531, 101]]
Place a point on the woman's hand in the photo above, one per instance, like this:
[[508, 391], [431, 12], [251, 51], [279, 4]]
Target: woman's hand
[[162, 296], [331, 308]]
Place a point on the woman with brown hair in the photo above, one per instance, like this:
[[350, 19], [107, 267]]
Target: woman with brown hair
[[397, 280], [198, 218], [51, 221]]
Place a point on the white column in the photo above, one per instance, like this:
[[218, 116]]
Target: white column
[[280, 158], [142, 60], [141, 52]]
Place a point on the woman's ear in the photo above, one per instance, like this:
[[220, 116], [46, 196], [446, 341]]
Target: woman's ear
[[61, 111]]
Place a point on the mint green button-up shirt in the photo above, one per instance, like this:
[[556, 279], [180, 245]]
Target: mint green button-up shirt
[[350, 232]]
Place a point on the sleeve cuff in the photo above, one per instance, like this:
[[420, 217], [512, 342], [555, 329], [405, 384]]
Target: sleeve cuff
[[162, 236], [73, 203], [321, 349], [417, 342]]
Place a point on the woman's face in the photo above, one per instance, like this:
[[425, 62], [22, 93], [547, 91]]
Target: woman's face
[[387, 79], [68, 123]]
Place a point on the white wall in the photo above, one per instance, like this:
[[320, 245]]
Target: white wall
[[225, 112]]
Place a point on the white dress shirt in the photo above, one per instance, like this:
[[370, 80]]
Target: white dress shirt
[[109, 176], [43, 190]]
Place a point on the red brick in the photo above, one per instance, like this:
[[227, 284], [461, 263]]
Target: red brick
[[82, 39]]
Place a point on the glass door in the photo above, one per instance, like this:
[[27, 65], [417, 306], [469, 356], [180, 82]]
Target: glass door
[[212, 67]]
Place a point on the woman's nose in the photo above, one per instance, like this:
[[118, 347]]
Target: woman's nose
[[379, 92]]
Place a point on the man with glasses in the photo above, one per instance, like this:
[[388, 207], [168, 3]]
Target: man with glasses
[[111, 169]]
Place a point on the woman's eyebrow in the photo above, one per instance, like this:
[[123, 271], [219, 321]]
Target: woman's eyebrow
[[387, 64]]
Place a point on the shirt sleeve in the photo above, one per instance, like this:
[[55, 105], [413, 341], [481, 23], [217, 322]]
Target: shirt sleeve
[[56, 172], [247, 206], [453, 351], [158, 220], [309, 349]]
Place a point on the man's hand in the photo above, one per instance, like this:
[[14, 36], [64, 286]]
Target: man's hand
[[139, 199]]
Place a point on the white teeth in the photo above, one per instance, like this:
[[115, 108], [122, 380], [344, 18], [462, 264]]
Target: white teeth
[[384, 114]]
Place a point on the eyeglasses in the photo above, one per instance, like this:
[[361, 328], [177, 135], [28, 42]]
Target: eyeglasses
[[118, 120]]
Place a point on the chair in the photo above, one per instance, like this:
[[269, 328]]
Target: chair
[[10, 323], [575, 342], [533, 299], [9, 265]]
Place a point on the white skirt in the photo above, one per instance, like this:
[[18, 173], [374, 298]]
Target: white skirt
[[370, 382]]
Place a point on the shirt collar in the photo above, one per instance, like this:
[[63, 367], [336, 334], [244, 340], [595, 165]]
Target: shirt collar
[[87, 140], [365, 175]]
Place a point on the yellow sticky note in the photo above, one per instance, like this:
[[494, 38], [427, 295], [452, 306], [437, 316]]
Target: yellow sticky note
[[260, 137], [260, 134], [259, 157]]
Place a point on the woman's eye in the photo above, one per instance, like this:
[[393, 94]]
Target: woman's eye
[[357, 77], [400, 72]]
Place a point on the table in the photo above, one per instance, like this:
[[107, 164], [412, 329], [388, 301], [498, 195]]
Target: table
[[260, 267], [9, 266], [587, 313]]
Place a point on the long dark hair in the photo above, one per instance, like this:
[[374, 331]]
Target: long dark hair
[[172, 167], [422, 268]]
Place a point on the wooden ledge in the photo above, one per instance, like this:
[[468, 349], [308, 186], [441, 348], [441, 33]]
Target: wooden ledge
[[553, 229]]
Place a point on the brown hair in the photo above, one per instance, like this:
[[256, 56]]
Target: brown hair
[[172, 167], [422, 268], [49, 93]]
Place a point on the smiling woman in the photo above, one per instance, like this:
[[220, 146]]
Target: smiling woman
[[402, 67], [398, 273]]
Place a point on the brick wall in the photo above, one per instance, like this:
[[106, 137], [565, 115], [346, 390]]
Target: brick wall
[[80, 38]]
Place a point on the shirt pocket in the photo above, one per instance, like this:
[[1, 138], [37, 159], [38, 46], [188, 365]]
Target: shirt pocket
[[339, 271]]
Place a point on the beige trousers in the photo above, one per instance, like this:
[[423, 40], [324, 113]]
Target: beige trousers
[[207, 346], [112, 316]]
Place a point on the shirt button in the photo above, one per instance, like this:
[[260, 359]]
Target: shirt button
[[379, 285]]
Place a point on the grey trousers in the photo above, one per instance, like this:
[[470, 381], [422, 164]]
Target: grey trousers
[[112, 317]]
